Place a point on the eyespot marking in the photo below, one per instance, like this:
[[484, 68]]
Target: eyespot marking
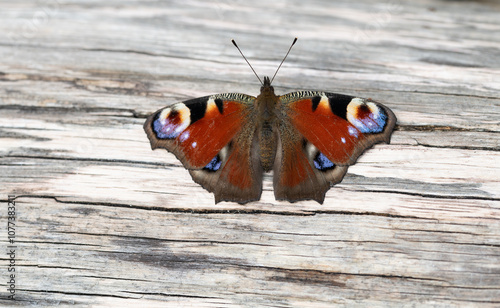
[[322, 163], [214, 164], [171, 121], [367, 117]]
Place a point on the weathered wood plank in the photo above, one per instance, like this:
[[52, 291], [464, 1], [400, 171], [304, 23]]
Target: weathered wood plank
[[253, 259], [112, 223]]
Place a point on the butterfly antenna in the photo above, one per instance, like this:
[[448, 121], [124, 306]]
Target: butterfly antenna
[[293, 43], [234, 43]]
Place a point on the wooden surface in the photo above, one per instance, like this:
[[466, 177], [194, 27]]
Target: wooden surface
[[104, 221]]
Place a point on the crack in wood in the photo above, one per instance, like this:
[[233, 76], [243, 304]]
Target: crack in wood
[[59, 266], [147, 53], [457, 147], [433, 128], [174, 295], [45, 291], [72, 109], [150, 239], [95, 160], [423, 195], [450, 94], [328, 273], [458, 243], [216, 211], [115, 278], [59, 243]]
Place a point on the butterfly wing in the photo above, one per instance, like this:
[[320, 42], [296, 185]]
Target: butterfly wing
[[322, 134], [213, 137]]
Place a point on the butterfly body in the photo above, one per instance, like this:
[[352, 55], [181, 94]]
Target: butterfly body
[[307, 138], [267, 124]]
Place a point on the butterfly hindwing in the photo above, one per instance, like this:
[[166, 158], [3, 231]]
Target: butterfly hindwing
[[321, 134], [300, 170], [213, 137]]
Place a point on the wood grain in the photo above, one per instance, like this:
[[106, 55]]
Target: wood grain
[[104, 221]]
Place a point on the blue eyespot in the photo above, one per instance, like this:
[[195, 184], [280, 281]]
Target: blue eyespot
[[373, 123], [214, 164], [165, 130], [322, 163]]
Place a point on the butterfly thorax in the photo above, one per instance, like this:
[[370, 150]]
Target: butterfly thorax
[[266, 124]]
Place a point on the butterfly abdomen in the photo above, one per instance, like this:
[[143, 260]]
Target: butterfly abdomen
[[267, 145]]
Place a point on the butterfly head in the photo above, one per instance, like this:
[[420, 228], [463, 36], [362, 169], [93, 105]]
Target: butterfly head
[[266, 86]]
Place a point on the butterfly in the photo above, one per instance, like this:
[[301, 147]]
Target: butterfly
[[307, 138]]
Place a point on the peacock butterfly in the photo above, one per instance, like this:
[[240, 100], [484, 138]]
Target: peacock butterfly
[[308, 138]]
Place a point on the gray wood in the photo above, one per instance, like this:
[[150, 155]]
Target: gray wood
[[104, 221]]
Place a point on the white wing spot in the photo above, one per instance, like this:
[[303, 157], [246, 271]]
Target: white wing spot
[[184, 136], [352, 131]]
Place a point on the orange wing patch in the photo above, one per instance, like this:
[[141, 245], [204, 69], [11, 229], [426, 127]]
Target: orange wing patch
[[335, 137], [203, 139]]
